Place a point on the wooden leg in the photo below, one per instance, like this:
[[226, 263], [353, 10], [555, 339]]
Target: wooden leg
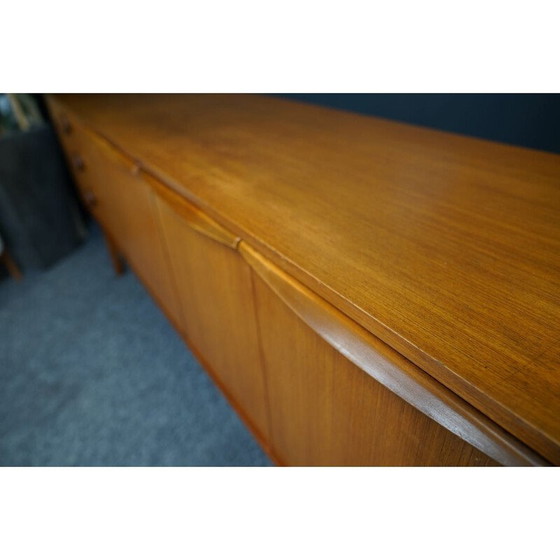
[[114, 254], [11, 265]]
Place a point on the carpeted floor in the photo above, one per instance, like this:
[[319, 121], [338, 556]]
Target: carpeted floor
[[91, 373]]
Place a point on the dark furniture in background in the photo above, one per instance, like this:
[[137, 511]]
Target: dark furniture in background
[[40, 220]]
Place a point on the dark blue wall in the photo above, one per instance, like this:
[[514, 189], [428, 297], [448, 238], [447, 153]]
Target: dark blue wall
[[530, 120]]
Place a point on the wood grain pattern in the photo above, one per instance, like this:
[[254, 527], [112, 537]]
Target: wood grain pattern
[[445, 247], [126, 207], [387, 367], [261, 437], [214, 286], [325, 411], [196, 219]]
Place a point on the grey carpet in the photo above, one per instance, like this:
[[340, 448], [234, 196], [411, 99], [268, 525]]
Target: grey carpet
[[91, 373]]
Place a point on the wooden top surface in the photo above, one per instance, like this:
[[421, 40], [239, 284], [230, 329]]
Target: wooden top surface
[[446, 247]]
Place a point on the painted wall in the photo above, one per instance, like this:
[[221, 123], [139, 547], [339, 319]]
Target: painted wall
[[529, 120]]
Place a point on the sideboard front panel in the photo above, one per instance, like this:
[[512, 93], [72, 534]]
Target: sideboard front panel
[[316, 387], [128, 208], [219, 319], [324, 410]]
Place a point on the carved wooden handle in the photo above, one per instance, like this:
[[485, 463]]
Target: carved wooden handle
[[196, 218], [389, 368], [193, 216], [115, 154]]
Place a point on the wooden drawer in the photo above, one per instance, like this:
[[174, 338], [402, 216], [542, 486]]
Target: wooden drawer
[[215, 288], [71, 135], [122, 202], [64, 123]]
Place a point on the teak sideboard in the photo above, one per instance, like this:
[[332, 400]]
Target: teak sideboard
[[364, 292]]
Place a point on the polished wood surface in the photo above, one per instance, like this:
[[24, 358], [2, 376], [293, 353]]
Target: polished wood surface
[[370, 356], [126, 206], [326, 411], [112, 189], [444, 247], [218, 314]]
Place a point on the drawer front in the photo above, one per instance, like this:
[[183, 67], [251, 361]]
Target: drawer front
[[91, 163], [122, 202], [215, 287], [64, 123], [71, 135]]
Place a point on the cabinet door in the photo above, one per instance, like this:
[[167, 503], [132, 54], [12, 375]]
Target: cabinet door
[[124, 204], [337, 394], [215, 288]]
